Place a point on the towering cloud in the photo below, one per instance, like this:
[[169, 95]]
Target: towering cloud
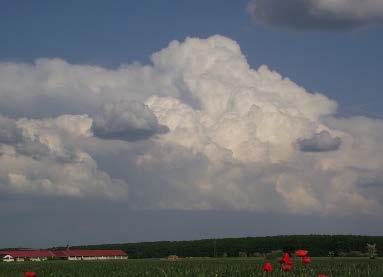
[[196, 129], [317, 14]]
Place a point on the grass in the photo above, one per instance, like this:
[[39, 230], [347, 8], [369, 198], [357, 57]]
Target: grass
[[228, 267]]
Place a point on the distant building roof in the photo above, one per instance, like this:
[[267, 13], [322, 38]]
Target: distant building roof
[[28, 253], [62, 253]]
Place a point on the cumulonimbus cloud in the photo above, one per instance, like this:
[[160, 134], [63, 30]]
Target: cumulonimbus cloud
[[317, 14], [218, 135]]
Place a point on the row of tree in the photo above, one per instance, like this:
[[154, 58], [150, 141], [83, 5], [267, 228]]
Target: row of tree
[[318, 245]]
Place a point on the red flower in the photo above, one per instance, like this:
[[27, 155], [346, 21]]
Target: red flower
[[301, 253], [306, 260], [322, 275], [30, 274], [286, 259], [267, 267], [287, 267]]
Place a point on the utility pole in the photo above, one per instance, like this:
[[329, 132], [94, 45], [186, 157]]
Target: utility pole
[[215, 248]]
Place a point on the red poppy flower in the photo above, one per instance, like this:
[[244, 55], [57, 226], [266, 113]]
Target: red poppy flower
[[322, 275], [267, 267], [301, 253], [30, 274], [286, 259], [306, 260], [287, 267]]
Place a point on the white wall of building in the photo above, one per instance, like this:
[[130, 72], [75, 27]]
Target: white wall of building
[[8, 258]]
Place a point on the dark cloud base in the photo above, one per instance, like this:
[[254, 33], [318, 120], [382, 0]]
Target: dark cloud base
[[321, 142], [303, 15], [130, 134]]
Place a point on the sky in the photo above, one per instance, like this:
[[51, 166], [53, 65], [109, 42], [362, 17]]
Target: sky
[[148, 120]]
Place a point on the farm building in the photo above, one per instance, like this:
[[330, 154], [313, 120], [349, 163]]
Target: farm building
[[7, 258], [80, 254], [26, 255], [68, 254]]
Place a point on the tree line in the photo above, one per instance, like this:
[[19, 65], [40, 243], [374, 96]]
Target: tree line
[[318, 245]]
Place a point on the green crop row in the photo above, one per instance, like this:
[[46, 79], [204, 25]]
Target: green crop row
[[337, 267]]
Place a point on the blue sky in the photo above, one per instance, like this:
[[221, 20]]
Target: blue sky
[[192, 143], [345, 65]]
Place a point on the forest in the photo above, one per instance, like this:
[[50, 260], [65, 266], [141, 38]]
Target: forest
[[318, 245]]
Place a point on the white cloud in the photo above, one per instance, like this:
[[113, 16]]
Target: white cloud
[[253, 119], [231, 141], [47, 161]]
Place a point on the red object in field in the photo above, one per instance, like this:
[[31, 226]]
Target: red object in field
[[286, 259], [287, 267], [306, 260], [267, 267], [322, 275], [301, 253], [30, 274]]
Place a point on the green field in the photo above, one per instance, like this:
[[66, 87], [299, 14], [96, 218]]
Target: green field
[[229, 267]]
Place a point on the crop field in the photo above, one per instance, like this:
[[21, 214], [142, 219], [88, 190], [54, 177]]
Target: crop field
[[229, 267]]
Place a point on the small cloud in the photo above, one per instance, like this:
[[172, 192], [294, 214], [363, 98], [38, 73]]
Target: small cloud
[[9, 132], [317, 14], [321, 142], [129, 121]]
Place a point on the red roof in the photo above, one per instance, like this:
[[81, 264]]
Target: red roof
[[88, 253], [62, 253], [28, 253]]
